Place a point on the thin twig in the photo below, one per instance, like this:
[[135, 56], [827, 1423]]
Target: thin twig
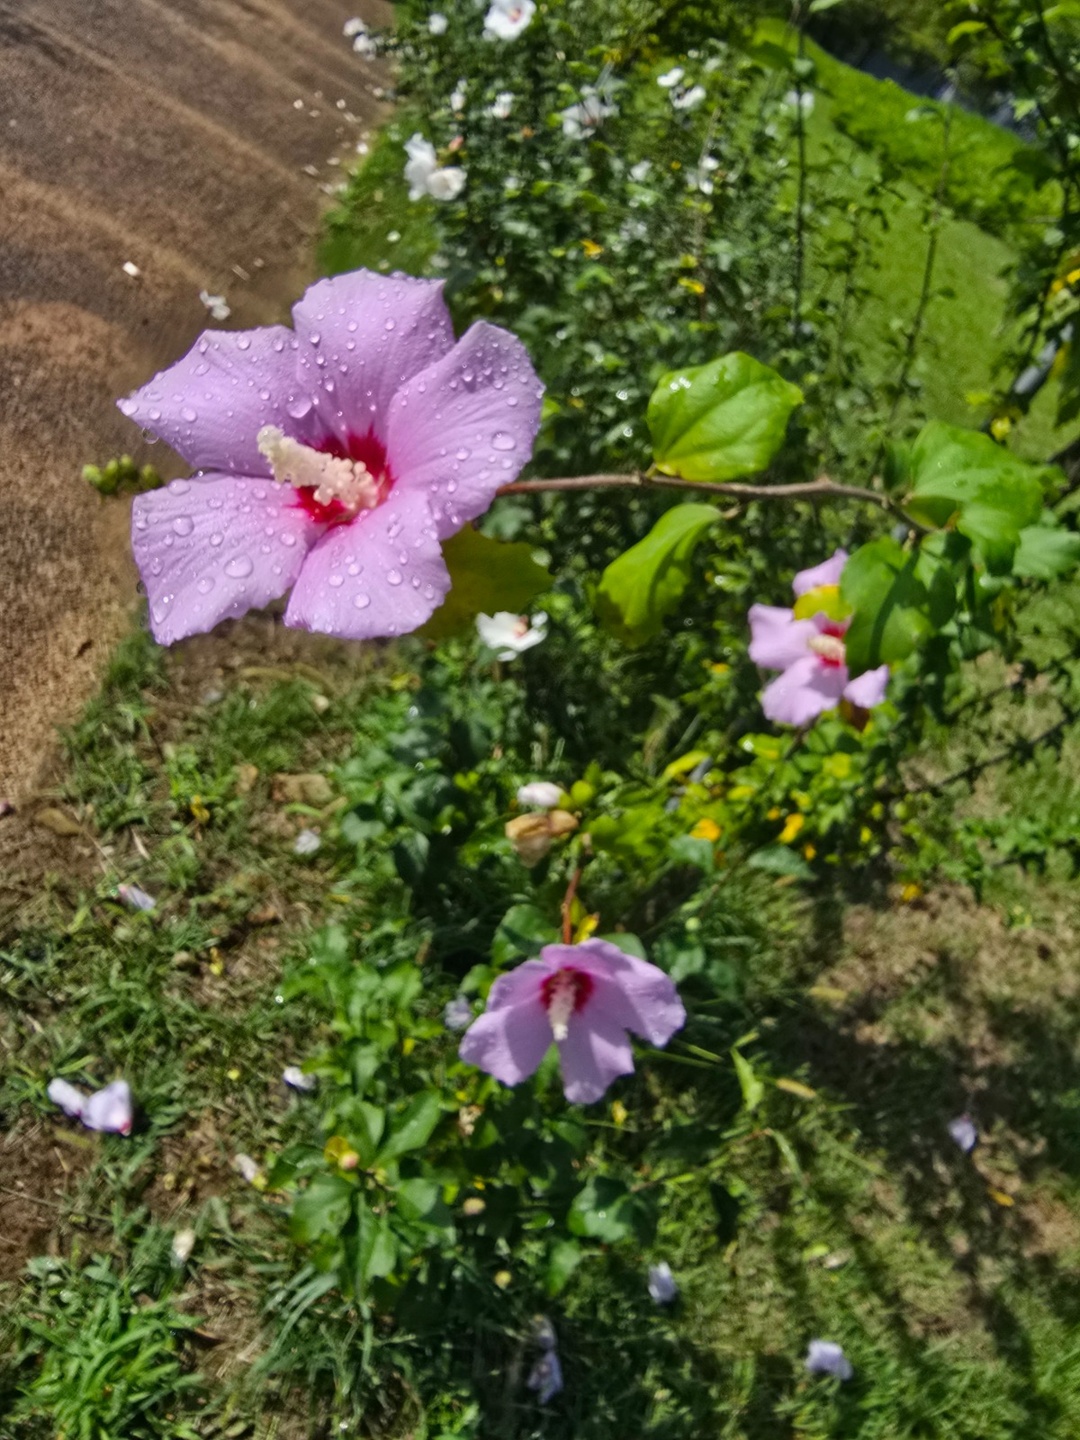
[[823, 488]]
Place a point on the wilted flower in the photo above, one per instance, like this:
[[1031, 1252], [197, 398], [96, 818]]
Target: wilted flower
[[533, 835], [964, 1133], [183, 1244], [584, 997], [589, 114], [109, 1109], [458, 1013], [297, 1079], [810, 651], [826, 1358], [541, 793], [135, 898], [670, 78], [688, 99], [502, 105], [307, 842], [216, 304], [247, 1168], [425, 176], [339, 457], [545, 1377], [510, 634], [662, 1287], [506, 19], [437, 23]]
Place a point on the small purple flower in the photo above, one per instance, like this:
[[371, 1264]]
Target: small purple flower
[[546, 1376], [810, 652], [824, 1357], [110, 1109], [297, 1079], [964, 1133], [584, 997], [662, 1287], [135, 898], [333, 459]]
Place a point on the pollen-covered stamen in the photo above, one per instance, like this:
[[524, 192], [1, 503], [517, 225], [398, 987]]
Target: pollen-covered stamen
[[329, 477], [564, 993], [830, 648]]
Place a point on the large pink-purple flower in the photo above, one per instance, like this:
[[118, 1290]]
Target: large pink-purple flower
[[584, 997], [810, 652], [332, 459]]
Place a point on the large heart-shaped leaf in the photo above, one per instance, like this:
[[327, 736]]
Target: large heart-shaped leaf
[[638, 589], [722, 420], [891, 603], [1046, 552], [963, 480]]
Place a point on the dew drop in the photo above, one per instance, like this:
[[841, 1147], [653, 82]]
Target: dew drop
[[336, 581], [202, 368], [502, 441], [183, 524], [189, 414], [362, 601], [391, 325], [394, 577], [300, 406], [216, 538], [239, 567], [243, 342], [155, 415], [288, 539], [205, 585], [463, 454], [179, 487]]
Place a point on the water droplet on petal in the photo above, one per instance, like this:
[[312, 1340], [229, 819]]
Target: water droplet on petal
[[336, 581], [205, 585], [216, 538], [183, 524], [362, 601], [394, 577], [502, 441], [463, 454], [243, 342], [239, 567], [288, 539], [189, 414], [179, 487], [300, 406], [391, 324]]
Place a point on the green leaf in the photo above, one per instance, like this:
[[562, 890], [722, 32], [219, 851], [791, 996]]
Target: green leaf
[[564, 1259], [323, 1208], [722, 420], [420, 1200], [606, 1210], [753, 1089], [963, 480], [1046, 552], [523, 931], [891, 605], [817, 6], [412, 1129], [638, 589], [486, 575], [780, 860], [376, 1247], [966, 27]]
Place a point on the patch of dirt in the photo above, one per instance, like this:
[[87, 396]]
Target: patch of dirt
[[39, 1169], [178, 137]]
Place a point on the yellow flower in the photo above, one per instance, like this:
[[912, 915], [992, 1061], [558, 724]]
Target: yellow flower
[[503, 1279], [694, 286], [910, 892], [592, 250], [809, 852], [719, 668], [792, 825], [706, 829], [408, 1045], [1073, 276], [1000, 427], [619, 1112], [865, 835], [199, 810], [773, 814]]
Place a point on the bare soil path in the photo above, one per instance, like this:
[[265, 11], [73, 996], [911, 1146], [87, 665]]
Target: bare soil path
[[190, 138]]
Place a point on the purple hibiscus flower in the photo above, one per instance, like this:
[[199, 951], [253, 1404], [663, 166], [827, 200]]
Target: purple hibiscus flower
[[810, 653], [584, 997], [332, 459]]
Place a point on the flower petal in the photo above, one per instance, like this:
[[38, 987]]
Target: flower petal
[[804, 691], [869, 689], [632, 993], [827, 573], [69, 1097], [466, 425], [110, 1109], [214, 547], [777, 639], [211, 405], [381, 574], [596, 1051], [361, 336], [513, 1035]]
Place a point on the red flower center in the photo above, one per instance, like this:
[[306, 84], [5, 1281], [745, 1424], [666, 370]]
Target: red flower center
[[564, 994], [369, 451]]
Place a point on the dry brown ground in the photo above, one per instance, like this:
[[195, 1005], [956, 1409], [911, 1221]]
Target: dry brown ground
[[165, 134]]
